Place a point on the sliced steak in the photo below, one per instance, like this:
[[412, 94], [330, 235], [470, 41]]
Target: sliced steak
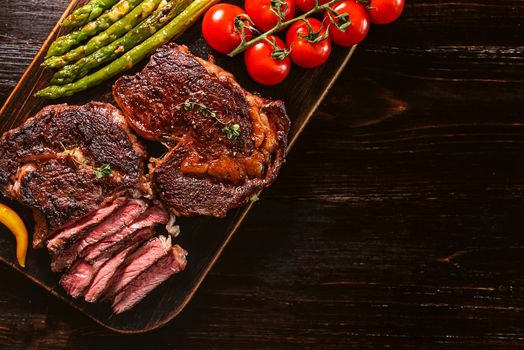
[[51, 162], [105, 274], [137, 289], [80, 276], [225, 143], [139, 261], [116, 222], [71, 233], [152, 216]]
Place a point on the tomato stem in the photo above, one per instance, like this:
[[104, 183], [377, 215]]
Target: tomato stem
[[366, 4], [279, 8], [278, 53], [281, 24], [312, 36]]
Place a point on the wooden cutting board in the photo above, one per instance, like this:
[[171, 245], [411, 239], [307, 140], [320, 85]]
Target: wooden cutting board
[[204, 238]]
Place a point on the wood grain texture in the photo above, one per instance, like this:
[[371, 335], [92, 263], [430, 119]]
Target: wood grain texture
[[397, 220]]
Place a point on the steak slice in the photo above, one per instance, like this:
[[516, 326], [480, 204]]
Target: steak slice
[[138, 289], [139, 261], [105, 274], [71, 233], [225, 144], [51, 162], [82, 274], [155, 215], [122, 218]]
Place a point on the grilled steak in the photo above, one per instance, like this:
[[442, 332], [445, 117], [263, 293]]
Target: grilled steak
[[120, 219], [137, 289], [53, 163], [139, 261], [70, 233], [225, 143], [151, 217], [105, 274], [83, 273]]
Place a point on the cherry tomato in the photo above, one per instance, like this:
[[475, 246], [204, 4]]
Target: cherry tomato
[[304, 53], [385, 11], [359, 27], [308, 5], [262, 66], [219, 30], [263, 16]]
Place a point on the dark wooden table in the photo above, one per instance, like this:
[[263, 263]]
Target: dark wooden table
[[398, 220]]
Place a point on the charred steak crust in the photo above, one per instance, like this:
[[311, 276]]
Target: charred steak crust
[[49, 162], [205, 172], [70, 234]]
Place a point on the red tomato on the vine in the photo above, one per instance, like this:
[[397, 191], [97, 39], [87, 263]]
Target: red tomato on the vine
[[310, 47], [308, 5], [262, 63], [264, 17], [385, 11], [356, 31], [220, 30]]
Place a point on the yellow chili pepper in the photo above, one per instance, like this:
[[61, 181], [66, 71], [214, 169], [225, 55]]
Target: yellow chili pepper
[[14, 223]]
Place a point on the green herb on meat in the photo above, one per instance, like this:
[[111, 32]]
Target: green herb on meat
[[229, 129], [104, 170]]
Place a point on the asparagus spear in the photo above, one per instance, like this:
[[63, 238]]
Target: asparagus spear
[[64, 43], [172, 30], [87, 13], [144, 30], [114, 32]]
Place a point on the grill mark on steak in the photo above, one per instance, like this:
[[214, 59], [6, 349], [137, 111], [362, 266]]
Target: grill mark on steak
[[39, 172], [123, 217], [60, 190], [152, 216], [142, 285], [204, 172], [80, 276], [72, 232]]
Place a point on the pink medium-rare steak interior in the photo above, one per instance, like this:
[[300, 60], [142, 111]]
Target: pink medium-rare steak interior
[[71, 233], [83, 272], [120, 219], [104, 276], [154, 215], [136, 290], [139, 261]]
